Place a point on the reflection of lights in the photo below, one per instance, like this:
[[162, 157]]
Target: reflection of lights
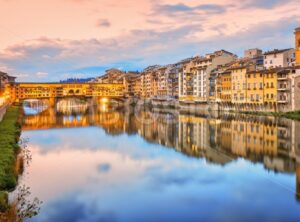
[[104, 100], [69, 106], [103, 107], [4, 98]]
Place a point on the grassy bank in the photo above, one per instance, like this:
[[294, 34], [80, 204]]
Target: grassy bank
[[10, 131], [289, 115]]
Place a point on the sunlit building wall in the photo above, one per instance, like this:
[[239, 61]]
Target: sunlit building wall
[[239, 84], [297, 45], [255, 88], [279, 58], [194, 76], [270, 90]]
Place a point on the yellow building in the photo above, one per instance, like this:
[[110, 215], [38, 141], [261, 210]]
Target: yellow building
[[270, 89], [254, 137], [255, 88], [270, 139], [224, 86], [297, 45], [239, 138], [238, 84]]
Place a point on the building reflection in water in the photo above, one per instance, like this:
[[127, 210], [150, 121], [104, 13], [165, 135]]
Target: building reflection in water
[[219, 139]]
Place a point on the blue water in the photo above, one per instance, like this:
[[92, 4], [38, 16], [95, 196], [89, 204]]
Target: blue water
[[110, 173]]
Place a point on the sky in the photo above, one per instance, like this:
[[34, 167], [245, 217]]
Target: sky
[[50, 40]]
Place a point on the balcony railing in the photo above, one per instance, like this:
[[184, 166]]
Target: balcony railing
[[283, 88], [282, 77], [282, 101]]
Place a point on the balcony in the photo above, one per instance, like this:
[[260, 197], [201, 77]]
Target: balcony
[[284, 88], [282, 77], [282, 101]]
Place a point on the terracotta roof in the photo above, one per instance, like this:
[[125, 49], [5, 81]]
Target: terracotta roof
[[276, 51]]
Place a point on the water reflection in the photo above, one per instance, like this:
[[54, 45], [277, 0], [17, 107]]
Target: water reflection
[[87, 170]]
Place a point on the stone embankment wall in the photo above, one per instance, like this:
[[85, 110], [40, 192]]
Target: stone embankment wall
[[2, 111], [205, 107]]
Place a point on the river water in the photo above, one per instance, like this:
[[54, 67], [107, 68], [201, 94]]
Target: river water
[[98, 163]]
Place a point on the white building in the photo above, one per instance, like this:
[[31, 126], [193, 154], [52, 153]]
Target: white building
[[279, 58], [194, 76]]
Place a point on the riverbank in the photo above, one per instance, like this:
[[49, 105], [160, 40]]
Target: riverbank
[[208, 108], [10, 132], [288, 115]]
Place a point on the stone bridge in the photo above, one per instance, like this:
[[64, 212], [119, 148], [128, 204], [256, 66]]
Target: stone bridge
[[24, 91]]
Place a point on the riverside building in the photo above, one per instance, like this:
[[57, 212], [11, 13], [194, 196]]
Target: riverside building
[[194, 76]]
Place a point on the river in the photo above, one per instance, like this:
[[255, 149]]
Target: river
[[99, 163]]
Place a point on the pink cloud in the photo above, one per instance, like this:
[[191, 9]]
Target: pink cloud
[[78, 33]]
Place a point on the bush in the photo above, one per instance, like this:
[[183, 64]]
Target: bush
[[3, 201], [10, 131]]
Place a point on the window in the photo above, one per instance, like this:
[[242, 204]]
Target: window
[[241, 96]]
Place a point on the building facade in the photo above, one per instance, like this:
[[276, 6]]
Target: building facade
[[167, 82], [279, 58], [252, 53], [22, 91], [195, 76], [5, 89], [297, 45]]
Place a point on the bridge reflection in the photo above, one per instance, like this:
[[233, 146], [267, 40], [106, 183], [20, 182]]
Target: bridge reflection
[[220, 139]]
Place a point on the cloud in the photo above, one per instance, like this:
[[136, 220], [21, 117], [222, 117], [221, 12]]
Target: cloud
[[59, 57], [151, 32], [71, 208], [268, 4], [185, 8], [103, 23], [42, 74]]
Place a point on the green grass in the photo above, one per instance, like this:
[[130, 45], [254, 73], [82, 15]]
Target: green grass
[[10, 131], [290, 115]]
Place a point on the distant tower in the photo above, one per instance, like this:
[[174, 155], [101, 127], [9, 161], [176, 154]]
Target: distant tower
[[297, 45]]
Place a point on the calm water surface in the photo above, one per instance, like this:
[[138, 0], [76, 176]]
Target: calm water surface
[[95, 163]]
